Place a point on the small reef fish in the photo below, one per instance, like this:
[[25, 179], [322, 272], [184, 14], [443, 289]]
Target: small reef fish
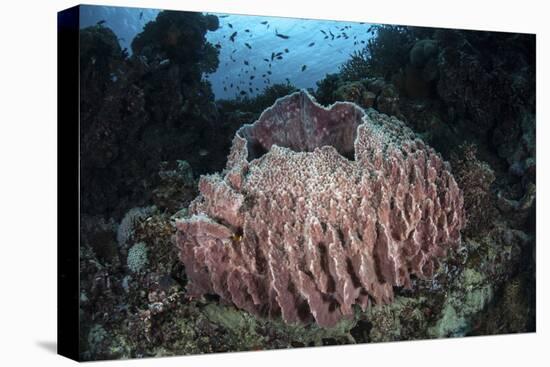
[[140, 15], [243, 93], [311, 44], [266, 60], [247, 30], [264, 22], [245, 62], [102, 21], [304, 67], [286, 50], [230, 25], [247, 45], [283, 36], [232, 38], [279, 57]]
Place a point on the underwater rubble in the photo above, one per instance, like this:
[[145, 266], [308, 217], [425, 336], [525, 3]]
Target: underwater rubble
[[147, 137]]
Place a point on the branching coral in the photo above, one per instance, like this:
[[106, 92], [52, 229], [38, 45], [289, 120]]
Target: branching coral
[[295, 228]]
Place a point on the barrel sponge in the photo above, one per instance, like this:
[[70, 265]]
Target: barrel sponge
[[319, 209]]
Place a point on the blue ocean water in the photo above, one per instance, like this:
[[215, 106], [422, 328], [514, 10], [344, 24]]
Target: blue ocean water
[[307, 50]]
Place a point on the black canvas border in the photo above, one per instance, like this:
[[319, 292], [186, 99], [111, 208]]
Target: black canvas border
[[68, 183]]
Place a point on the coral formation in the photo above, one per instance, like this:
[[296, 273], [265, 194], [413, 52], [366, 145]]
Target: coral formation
[[137, 257], [475, 179], [140, 110], [126, 227], [293, 227]]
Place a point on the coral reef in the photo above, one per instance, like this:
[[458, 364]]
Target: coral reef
[[146, 120], [141, 110], [346, 230], [475, 179]]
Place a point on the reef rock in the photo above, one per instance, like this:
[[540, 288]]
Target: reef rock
[[319, 209]]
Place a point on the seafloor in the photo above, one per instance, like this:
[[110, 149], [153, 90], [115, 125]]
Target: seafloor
[[149, 129]]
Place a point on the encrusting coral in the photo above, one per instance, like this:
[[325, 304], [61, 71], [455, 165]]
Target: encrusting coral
[[317, 210]]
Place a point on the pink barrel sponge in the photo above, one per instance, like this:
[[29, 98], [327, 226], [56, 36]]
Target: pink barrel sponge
[[319, 209]]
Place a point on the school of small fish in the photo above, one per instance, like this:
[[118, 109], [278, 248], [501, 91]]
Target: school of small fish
[[245, 86]]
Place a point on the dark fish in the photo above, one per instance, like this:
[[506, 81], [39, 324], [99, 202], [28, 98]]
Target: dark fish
[[279, 57], [225, 89], [251, 77], [264, 22], [338, 36], [266, 60], [231, 85], [286, 50], [218, 46], [257, 88], [232, 38], [362, 41], [311, 44], [354, 43], [254, 67], [250, 89], [272, 56], [140, 15], [102, 21], [247, 30], [243, 93], [269, 65], [326, 37], [245, 62], [263, 75], [269, 72], [230, 25], [223, 16], [325, 33], [287, 80], [304, 67], [233, 51], [247, 45], [332, 35], [283, 36]]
